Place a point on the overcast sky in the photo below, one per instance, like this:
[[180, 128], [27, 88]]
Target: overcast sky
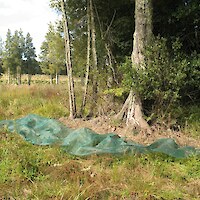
[[31, 16]]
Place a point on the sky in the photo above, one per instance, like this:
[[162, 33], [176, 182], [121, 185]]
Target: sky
[[31, 16]]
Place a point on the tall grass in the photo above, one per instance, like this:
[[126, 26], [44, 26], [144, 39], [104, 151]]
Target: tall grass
[[45, 100], [35, 172]]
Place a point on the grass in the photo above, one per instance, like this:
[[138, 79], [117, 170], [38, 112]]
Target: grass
[[35, 79], [35, 172], [189, 118], [45, 100], [47, 172]]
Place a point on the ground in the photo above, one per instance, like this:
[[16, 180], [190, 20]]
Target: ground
[[103, 125]]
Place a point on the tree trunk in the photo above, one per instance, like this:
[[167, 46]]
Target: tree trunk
[[72, 99], [9, 78], [57, 78], [143, 30], [112, 78], [94, 59], [111, 59], [88, 58], [132, 109], [29, 79], [18, 76], [51, 79]]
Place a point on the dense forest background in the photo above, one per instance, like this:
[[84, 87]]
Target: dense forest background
[[170, 83]]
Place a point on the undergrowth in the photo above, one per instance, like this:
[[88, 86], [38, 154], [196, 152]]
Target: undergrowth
[[44, 172], [45, 100], [35, 172]]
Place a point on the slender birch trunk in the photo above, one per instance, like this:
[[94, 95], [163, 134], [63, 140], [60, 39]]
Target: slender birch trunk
[[57, 78], [88, 58], [18, 76], [111, 60], [72, 100], [111, 63], [51, 79], [9, 78], [94, 59]]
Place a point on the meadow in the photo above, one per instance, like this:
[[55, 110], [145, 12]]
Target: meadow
[[37, 172]]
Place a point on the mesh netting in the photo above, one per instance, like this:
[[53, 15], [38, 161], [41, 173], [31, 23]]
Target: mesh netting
[[81, 142]]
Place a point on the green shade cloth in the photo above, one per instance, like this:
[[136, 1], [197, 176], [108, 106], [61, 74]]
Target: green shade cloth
[[81, 142]]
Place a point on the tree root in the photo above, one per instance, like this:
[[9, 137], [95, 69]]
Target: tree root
[[132, 113]]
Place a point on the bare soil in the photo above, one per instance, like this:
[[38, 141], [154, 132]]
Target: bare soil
[[103, 125]]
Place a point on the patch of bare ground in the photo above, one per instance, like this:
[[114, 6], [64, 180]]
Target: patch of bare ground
[[103, 125]]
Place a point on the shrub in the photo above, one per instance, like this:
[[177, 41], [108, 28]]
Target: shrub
[[161, 77]]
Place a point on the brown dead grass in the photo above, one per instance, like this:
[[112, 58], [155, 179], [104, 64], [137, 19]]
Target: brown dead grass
[[103, 125]]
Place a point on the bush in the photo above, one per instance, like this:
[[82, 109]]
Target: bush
[[161, 77], [190, 92]]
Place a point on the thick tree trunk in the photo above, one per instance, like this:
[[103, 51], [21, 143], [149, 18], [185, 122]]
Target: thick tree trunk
[[72, 99], [94, 59], [132, 109], [88, 58], [143, 30]]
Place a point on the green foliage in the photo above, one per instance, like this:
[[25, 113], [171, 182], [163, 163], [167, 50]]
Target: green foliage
[[190, 91], [18, 56], [16, 52], [53, 52], [50, 109], [164, 73], [178, 21], [188, 117], [118, 92], [161, 77], [128, 74], [31, 65]]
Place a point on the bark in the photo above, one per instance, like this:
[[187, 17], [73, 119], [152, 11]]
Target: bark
[[57, 78], [72, 99], [51, 79], [94, 59], [143, 30], [29, 79], [18, 76], [88, 58], [112, 78], [9, 78], [132, 109], [111, 59]]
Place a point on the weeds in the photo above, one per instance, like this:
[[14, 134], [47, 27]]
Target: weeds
[[48, 101], [33, 172], [37, 172]]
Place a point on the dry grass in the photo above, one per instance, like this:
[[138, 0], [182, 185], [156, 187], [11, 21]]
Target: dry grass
[[35, 172]]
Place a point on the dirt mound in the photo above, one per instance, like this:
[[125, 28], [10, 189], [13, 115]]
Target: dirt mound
[[103, 125]]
